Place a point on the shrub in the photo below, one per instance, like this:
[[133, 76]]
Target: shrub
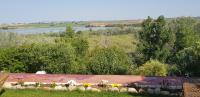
[[153, 68], [109, 60], [53, 58], [173, 69]]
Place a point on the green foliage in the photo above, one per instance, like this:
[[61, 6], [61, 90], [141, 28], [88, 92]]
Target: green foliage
[[156, 39], [173, 69], [54, 58], [197, 28], [185, 49], [188, 60], [153, 68], [175, 42], [69, 32], [8, 62], [184, 29], [81, 46], [61, 59], [108, 61]]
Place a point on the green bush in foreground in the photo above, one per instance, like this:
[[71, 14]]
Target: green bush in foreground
[[109, 60], [153, 68]]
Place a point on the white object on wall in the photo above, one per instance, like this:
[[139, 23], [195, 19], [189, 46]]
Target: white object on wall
[[41, 72]]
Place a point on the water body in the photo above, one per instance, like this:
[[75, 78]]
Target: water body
[[50, 29]]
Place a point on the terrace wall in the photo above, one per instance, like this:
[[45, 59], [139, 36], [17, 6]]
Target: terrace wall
[[120, 83]]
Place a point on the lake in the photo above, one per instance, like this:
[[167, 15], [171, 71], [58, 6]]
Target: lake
[[50, 29]]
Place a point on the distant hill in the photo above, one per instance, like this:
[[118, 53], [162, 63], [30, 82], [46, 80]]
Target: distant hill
[[112, 23]]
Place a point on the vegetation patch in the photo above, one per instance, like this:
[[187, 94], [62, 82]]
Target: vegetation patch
[[45, 93]]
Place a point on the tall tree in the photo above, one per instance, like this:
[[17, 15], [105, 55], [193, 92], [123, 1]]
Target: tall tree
[[156, 39], [185, 54], [183, 27], [69, 33]]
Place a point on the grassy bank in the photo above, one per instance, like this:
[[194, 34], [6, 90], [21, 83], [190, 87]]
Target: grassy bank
[[126, 42], [44, 93]]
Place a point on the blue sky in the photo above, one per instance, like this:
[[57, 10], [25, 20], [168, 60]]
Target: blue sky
[[76, 10]]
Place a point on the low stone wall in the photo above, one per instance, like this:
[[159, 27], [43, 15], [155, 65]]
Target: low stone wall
[[152, 89], [61, 86], [118, 83]]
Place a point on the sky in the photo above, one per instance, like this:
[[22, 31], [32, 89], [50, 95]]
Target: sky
[[20, 11]]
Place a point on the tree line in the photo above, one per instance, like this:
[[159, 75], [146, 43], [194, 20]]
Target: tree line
[[175, 43], [164, 48]]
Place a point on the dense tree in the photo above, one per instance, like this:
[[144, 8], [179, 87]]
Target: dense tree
[[197, 28], [186, 41], [188, 60], [184, 29], [69, 33], [81, 46], [109, 61], [54, 58], [156, 39], [8, 62]]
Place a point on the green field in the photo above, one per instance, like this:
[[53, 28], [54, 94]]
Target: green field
[[44, 93], [126, 42]]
